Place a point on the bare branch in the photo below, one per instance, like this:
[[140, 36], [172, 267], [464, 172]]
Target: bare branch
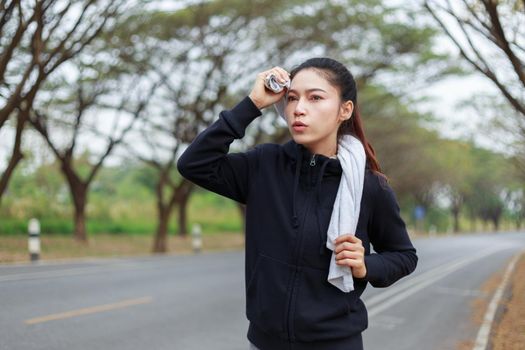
[[15, 97], [83, 104], [15, 41], [60, 47], [6, 13], [86, 37], [38, 121], [503, 44], [59, 17], [115, 141], [485, 70], [472, 11]]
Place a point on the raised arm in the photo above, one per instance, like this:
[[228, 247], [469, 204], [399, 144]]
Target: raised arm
[[207, 162]]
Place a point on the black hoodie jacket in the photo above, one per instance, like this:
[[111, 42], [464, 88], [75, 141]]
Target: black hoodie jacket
[[289, 195]]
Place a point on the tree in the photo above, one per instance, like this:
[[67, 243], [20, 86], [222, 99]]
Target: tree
[[490, 180], [490, 37], [456, 182], [76, 114], [37, 38]]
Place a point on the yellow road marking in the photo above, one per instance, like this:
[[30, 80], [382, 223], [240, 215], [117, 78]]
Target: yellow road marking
[[89, 310]]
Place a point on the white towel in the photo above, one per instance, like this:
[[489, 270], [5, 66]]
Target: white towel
[[273, 84], [347, 205]]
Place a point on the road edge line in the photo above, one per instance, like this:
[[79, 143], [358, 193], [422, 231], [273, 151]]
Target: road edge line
[[482, 338]]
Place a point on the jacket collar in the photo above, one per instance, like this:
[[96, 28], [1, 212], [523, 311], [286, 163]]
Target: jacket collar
[[294, 150]]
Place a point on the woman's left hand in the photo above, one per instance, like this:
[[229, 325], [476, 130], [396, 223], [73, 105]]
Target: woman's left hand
[[350, 252]]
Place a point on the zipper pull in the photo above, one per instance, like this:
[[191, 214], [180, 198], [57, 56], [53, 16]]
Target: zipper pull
[[312, 161]]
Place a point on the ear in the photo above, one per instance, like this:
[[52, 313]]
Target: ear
[[347, 108]]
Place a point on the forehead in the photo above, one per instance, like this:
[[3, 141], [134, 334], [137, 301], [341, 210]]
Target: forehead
[[308, 79]]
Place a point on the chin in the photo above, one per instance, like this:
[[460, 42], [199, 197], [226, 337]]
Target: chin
[[301, 139]]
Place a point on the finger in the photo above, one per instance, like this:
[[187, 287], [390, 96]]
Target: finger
[[283, 74], [348, 246], [345, 237], [346, 254], [354, 239], [350, 263]]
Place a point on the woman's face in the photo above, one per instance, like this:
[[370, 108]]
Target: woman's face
[[314, 111]]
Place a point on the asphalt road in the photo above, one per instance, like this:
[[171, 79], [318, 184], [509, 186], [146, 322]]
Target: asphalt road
[[197, 302]]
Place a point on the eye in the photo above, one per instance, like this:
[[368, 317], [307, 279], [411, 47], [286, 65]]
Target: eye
[[315, 97], [291, 98]]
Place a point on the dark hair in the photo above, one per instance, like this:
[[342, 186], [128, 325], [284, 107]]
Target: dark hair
[[339, 76]]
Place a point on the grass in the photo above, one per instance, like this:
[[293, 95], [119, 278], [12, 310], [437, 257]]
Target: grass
[[212, 212], [14, 248]]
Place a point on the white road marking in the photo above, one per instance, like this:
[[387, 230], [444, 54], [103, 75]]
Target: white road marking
[[484, 331], [76, 271], [89, 310], [397, 293], [458, 292], [386, 322]]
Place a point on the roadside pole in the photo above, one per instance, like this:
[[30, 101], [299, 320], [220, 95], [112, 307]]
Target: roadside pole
[[34, 239]]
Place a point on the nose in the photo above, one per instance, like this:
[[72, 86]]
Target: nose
[[299, 108]]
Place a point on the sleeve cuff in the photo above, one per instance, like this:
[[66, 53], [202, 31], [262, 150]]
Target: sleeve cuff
[[374, 269]]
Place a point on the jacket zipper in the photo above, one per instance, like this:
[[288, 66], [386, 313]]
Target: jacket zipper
[[292, 298], [312, 161]]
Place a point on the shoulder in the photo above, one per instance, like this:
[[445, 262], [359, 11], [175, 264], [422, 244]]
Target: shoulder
[[377, 189], [264, 152], [375, 181]]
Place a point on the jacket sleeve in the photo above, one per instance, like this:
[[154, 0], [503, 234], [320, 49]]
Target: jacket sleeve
[[395, 256], [206, 161]]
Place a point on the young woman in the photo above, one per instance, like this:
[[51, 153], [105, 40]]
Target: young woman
[[293, 194]]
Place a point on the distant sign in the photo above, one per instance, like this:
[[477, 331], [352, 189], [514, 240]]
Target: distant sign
[[419, 212]]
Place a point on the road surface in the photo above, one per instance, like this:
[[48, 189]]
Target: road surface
[[197, 302]]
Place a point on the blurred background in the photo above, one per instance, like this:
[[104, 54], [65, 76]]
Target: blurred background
[[99, 98]]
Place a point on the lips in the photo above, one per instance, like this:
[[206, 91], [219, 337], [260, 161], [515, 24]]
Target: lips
[[299, 126]]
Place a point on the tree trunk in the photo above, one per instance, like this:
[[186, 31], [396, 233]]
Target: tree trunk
[[455, 216], [78, 190], [16, 156], [80, 199], [495, 222], [80, 225], [183, 214], [182, 197], [160, 244]]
